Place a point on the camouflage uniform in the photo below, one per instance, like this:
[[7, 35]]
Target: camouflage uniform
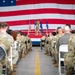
[[37, 27], [26, 43], [6, 41], [23, 46], [29, 44], [18, 40], [50, 40], [47, 45], [42, 42], [54, 49], [69, 57], [53, 43], [15, 55]]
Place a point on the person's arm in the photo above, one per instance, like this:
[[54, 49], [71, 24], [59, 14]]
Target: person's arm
[[57, 45]]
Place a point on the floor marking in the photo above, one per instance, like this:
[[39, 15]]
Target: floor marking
[[37, 64]]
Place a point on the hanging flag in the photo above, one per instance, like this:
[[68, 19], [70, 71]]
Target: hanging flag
[[41, 28], [47, 25], [17, 13]]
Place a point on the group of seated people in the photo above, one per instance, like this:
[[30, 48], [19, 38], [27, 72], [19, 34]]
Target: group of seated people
[[15, 45], [54, 40]]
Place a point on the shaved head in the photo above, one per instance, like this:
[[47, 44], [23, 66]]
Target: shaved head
[[66, 29]]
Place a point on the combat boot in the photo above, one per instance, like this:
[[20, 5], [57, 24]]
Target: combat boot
[[53, 61], [46, 52], [13, 73], [56, 64], [69, 71], [23, 54], [14, 66], [9, 72]]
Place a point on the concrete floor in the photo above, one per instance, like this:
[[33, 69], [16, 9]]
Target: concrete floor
[[27, 65]]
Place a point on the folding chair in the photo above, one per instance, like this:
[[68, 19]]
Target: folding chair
[[2, 55], [62, 49]]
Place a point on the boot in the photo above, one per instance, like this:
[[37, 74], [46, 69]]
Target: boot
[[72, 70], [26, 52], [23, 54], [46, 52], [9, 72], [13, 73], [50, 54], [14, 66], [56, 64], [69, 71]]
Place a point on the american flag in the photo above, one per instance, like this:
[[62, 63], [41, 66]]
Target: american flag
[[18, 13]]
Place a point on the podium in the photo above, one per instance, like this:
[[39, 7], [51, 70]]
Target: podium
[[34, 37]]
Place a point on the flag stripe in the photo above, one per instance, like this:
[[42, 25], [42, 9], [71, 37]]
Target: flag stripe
[[37, 11], [21, 2], [33, 31], [37, 16], [50, 21], [25, 27], [38, 6]]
